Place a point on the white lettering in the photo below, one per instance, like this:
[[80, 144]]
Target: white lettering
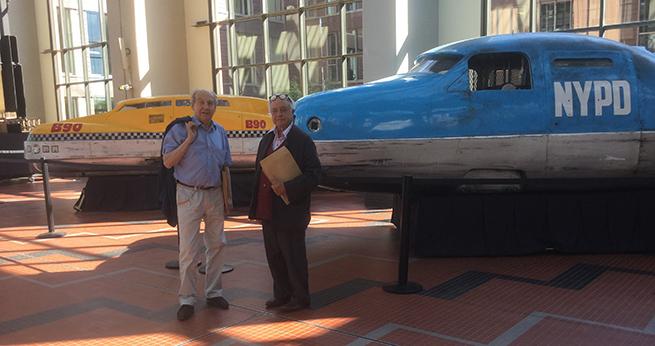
[[583, 96], [563, 99], [617, 87], [603, 95], [615, 93]]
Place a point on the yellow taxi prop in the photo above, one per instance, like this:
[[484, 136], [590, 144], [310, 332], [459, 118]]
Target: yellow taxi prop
[[127, 140]]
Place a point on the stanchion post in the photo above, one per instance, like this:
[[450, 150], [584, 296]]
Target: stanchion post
[[403, 286], [48, 205]]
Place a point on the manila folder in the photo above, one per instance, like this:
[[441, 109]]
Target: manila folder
[[280, 166]]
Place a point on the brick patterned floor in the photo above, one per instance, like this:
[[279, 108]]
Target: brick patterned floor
[[105, 283]]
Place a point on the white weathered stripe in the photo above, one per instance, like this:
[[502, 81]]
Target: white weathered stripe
[[478, 137], [611, 154]]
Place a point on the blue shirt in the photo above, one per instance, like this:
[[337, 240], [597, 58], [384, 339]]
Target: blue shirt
[[206, 156]]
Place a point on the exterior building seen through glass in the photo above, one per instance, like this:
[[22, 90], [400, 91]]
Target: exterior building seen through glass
[[262, 47], [629, 21]]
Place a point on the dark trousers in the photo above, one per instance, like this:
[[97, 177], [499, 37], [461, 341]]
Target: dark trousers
[[287, 259]]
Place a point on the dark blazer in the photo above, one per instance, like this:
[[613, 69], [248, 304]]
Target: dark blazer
[[303, 150], [166, 180]]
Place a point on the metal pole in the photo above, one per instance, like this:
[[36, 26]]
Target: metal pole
[[484, 18], [403, 263], [403, 286], [48, 205], [601, 19]]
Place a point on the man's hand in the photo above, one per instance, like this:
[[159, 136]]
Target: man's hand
[[174, 157], [191, 131], [279, 189]]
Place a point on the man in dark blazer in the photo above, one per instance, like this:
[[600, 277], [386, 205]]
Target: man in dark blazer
[[284, 225]]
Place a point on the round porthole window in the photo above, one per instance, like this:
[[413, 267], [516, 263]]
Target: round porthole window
[[314, 124]]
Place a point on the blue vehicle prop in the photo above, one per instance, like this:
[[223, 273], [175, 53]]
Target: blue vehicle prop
[[534, 106]]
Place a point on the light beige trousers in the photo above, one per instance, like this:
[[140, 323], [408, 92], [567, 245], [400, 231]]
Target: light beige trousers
[[194, 205]]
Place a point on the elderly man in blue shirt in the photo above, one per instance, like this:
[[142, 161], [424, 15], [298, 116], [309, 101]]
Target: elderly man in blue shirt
[[198, 150]]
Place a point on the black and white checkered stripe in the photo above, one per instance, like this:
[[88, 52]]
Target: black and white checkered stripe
[[112, 136], [246, 134], [109, 136]]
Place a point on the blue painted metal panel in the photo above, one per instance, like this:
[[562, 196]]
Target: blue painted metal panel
[[386, 109], [431, 105], [597, 98], [644, 62], [513, 112]]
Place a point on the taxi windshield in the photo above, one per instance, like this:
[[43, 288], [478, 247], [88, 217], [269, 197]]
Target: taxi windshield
[[439, 63]]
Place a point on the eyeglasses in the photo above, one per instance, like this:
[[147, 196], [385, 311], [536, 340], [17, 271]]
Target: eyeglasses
[[283, 97]]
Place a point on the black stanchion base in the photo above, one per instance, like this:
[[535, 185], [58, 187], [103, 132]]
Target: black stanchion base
[[50, 235], [408, 288]]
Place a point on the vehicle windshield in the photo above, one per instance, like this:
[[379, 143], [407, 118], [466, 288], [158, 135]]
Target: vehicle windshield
[[439, 63]]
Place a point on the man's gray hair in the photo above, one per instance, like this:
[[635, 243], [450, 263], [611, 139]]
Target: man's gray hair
[[195, 92], [285, 97]]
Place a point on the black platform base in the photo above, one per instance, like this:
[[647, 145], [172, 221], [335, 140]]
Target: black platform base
[[12, 161], [141, 192], [408, 288], [526, 223]]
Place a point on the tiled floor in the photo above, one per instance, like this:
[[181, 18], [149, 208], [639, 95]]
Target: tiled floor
[[105, 283]]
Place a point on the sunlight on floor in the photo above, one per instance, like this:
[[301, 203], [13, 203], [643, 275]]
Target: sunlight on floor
[[280, 331]]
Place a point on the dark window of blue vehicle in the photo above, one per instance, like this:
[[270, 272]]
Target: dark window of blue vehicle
[[583, 62], [438, 63], [499, 71]]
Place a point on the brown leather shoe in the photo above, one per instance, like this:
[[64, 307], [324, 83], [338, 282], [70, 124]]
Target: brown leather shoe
[[218, 302], [276, 303], [293, 305], [185, 312]]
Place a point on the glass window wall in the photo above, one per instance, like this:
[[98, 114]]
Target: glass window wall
[[80, 57], [628, 21], [298, 47], [284, 36]]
